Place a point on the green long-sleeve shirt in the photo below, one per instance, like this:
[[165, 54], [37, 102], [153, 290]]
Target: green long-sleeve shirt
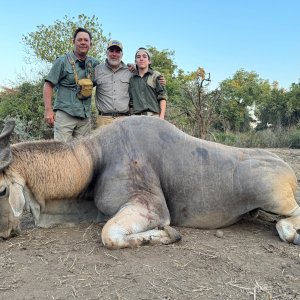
[[146, 92]]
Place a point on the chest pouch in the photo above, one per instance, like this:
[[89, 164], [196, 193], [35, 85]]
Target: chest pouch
[[84, 85]]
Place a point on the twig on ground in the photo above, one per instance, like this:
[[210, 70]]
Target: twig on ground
[[51, 241], [85, 232], [90, 251], [75, 259], [74, 292], [109, 255]]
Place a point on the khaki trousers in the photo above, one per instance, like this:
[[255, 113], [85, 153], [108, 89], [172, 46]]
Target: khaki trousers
[[67, 127], [106, 120]]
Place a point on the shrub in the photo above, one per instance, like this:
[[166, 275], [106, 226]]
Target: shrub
[[284, 138], [25, 131], [292, 139], [25, 105], [227, 138]]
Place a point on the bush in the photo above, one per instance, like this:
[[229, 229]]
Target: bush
[[25, 105], [257, 139], [227, 138], [25, 131], [285, 138], [292, 139]]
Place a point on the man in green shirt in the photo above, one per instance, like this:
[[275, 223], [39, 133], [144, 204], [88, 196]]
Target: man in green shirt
[[71, 113]]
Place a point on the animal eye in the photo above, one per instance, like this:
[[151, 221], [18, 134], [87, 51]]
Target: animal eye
[[3, 192]]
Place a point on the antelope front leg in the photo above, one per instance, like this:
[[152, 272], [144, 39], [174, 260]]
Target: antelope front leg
[[138, 224]]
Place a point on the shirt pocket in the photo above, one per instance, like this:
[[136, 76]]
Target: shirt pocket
[[125, 81], [124, 87], [69, 76]]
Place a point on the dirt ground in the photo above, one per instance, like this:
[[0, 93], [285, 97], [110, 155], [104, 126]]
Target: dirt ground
[[248, 262]]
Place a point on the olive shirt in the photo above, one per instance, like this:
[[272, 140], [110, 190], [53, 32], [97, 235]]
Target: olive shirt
[[62, 77], [146, 92], [112, 93]]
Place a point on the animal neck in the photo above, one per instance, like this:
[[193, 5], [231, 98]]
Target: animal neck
[[53, 170]]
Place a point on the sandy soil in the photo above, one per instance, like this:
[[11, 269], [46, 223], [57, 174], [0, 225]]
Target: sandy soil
[[247, 262]]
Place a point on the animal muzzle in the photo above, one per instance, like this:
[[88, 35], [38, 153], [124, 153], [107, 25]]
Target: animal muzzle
[[11, 232], [9, 229]]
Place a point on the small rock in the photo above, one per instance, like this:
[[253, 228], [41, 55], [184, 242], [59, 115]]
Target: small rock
[[219, 233]]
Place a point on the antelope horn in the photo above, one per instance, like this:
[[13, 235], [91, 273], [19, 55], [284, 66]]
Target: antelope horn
[[5, 151]]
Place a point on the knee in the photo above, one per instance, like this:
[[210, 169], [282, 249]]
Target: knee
[[112, 237]]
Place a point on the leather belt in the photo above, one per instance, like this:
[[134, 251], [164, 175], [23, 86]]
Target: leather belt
[[145, 113], [113, 114]]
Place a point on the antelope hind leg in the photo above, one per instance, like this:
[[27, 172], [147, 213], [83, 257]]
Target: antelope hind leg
[[288, 228]]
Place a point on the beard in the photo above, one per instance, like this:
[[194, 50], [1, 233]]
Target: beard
[[114, 62]]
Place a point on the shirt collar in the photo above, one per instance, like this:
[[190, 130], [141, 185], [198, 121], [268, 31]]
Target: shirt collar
[[150, 71], [75, 57]]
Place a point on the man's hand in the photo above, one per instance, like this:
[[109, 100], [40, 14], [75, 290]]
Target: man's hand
[[162, 80], [49, 116], [131, 68]]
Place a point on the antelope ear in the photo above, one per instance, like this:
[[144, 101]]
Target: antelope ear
[[16, 199]]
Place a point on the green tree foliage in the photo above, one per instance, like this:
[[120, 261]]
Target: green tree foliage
[[293, 104], [25, 104], [271, 109], [196, 108], [48, 42], [243, 90], [280, 109], [190, 106], [163, 61]]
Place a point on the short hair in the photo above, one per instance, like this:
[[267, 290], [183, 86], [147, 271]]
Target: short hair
[[144, 50], [81, 29]]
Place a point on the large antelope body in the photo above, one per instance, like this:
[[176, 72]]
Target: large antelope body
[[144, 175]]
